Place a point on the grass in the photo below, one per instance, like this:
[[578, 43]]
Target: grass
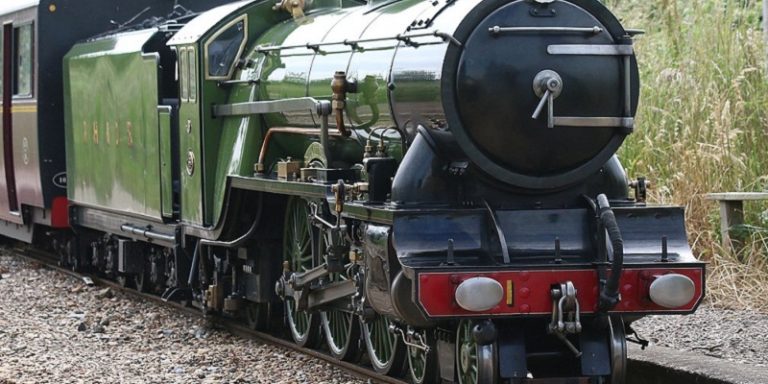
[[702, 126]]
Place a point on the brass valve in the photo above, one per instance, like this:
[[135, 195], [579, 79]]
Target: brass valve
[[339, 194], [294, 7], [340, 86], [341, 190], [381, 149]]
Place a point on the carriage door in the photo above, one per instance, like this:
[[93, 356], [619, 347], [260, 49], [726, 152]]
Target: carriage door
[[8, 61]]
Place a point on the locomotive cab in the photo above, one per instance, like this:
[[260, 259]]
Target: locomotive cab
[[208, 50]]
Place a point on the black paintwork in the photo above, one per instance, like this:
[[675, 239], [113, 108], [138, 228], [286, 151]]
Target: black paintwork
[[420, 240], [488, 94], [512, 353], [595, 358], [435, 173], [380, 172], [443, 196], [426, 181]]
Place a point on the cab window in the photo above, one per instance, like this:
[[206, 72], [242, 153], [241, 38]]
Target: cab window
[[23, 69], [184, 78], [222, 50], [192, 65]]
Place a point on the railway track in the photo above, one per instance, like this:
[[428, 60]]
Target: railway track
[[231, 325], [650, 367]]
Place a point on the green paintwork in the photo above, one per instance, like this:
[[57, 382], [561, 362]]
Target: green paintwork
[[237, 140], [222, 147], [190, 141], [166, 171], [233, 143], [111, 97], [230, 146], [299, 72], [109, 82]]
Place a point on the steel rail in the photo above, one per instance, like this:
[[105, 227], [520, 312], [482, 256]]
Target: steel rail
[[230, 325]]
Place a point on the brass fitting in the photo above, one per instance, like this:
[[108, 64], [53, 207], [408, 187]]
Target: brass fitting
[[340, 86], [368, 149], [360, 187], [294, 7], [354, 255], [340, 194], [381, 150]]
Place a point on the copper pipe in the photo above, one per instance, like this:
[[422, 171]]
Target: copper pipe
[[340, 87], [292, 130]]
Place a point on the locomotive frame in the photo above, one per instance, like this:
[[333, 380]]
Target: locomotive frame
[[354, 166]]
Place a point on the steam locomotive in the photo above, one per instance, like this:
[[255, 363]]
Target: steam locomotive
[[432, 183]]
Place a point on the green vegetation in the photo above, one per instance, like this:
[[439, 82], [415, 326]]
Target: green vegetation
[[702, 126]]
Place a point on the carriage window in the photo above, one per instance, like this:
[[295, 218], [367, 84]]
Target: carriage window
[[192, 65], [23, 60], [223, 49], [184, 80]]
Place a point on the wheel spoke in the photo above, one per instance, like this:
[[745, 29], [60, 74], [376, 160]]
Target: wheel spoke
[[303, 247], [476, 363], [378, 338], [386, 353], [418, 360], [296, 250], [383, 339], [341, 328]]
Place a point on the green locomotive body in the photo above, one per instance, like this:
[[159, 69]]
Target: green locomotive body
[[34, 38], [130, 81], [422, 181], [113, 131]]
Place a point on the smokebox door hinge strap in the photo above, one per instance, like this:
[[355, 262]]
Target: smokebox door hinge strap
[[626, 122]]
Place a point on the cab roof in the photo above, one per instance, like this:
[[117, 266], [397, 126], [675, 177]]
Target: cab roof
[[7, 6], [196, 28]]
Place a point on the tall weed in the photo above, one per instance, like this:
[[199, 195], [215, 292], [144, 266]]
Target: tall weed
[[702, 125]]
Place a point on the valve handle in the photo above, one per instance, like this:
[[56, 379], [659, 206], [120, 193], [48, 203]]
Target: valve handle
[[546, 98], [548, 85]]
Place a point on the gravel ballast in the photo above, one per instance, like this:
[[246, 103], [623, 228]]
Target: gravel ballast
[[55, 329], [734, 335]]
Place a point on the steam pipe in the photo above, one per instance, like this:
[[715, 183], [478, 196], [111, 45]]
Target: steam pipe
[[324, 139], [292, 130], [609, 294], [340, 86]]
